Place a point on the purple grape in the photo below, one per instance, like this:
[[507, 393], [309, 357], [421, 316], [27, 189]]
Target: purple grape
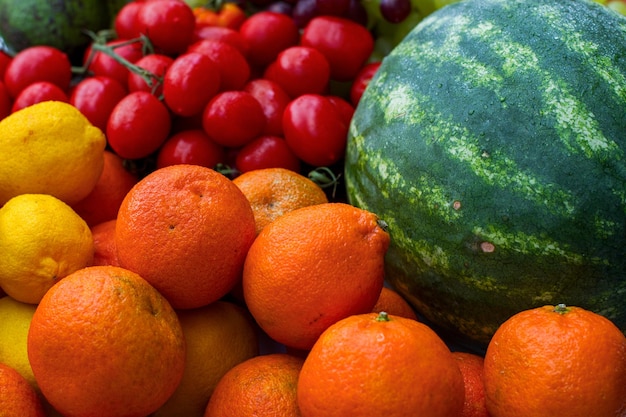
[[304, 11], [281, 7], [357, 13], [332, 7], [395, 11]]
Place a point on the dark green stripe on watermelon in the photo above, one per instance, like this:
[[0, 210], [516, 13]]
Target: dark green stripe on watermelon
[[493, 141]]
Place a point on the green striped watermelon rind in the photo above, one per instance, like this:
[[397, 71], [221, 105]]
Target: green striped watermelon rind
[[492, 142]]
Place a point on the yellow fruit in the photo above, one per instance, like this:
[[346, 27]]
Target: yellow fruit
[[15, 320], [218, 337], [41, 241], [49, 148]]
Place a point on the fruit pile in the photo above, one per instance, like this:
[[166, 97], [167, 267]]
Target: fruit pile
[[168, 248]]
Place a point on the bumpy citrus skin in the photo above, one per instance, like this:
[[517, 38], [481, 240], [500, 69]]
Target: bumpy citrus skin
[[15, 318], [17, 396], [49, 148]]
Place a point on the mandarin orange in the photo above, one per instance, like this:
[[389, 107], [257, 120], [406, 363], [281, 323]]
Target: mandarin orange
[[263, 386], [18, 397], [556, 359], [103, 342], [312, 267], [471, 366], [273, 192], [105, 251], [186, 229], [373, 365], [103, 202], [391, 302]]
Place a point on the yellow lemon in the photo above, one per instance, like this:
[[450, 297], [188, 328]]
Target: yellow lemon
[[49, 148], [218, 337], [15, 318], [41, 241]]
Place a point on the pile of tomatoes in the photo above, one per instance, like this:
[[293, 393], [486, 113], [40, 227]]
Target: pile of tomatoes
[[172, 84]]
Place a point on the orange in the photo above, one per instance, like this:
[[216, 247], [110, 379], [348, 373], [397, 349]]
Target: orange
[[552, 360], [186, 229], [103, 342], [471, 366], [392, 303], [273, 192], [262, 386], [373, 365], [105, 251], [218, 337], [103, 202], [17, 397], [312, 267]]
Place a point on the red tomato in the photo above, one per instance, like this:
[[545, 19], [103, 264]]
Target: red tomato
[[234, 68], [190, 147], [96, 97], [219, 33], [300, 70], [5, 101], [38, 63], [315, 130], [233, 118], [101, 64], [361, 81], [156, 64], [125, 21], [169, 24], [190, 83], [36, 93], [138, 125], [346, 44], [266, 152], [344, 108], [273, 100], [268, 33], [5, 59]]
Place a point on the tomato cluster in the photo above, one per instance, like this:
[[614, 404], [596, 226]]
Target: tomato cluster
[[182, 85]]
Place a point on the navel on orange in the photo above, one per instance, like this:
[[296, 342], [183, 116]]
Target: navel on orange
[[186, 229], [373, 365], [554, 359], [312, 267]]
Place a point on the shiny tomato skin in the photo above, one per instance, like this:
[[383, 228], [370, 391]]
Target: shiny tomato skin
[[125, 21], [300, 70], [190, 147], [266, 151], [224, 34], [156, 64], [5, 59], [233, 118], [346, 44], [273, 100], [315, 130], [169, 24], [5, 101], [362, 79], [102, 64], [38, 63], [234, 68], [96, 97], [268, 33], [138, 125], [190, 83], [36, 93]]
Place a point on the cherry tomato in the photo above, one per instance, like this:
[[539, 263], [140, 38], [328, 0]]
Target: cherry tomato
[[38, 63], [138, 125], [96, 97], [233, 118], [5, 59], [219, 33], [300, 70], [101, 64], [190, 147], [266, 152], [268, 33], [5, 101], [125, 21], [344, 108], [169, 24], [346, 44], [156, 64], [315, 130], [190, 82], [273, 100], [234, 68], [361, 81], [36, 93]]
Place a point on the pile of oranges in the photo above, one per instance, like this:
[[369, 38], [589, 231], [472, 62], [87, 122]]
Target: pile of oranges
[[187, 293]]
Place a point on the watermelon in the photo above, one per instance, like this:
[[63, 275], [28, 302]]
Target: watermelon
[[492, 141]]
